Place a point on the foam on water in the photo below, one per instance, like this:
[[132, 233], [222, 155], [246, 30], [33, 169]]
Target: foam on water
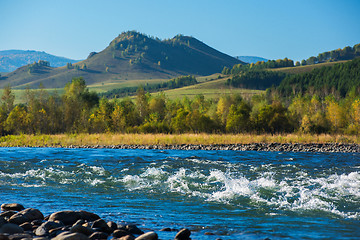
[[248, 187]]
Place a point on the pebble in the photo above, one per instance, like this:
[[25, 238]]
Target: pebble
[[273, 147]]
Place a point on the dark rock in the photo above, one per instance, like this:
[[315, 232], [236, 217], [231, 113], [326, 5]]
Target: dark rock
[[45, 228], [127, 237], [2, 221], [37, 222], [12, 207], [165, 230], [11, 228], [81, 229], [99, 235], [112, 225], [120, 233], [79, 222], [70, 236], [4, 236], [20, 236], [148, 236], [102, 225], [133, 229], [26, 215], [27, 226], [7, 214], [183, 234], [209, 234], [71, 217]]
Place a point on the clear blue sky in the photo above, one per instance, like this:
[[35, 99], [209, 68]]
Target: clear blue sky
[[267, 28]]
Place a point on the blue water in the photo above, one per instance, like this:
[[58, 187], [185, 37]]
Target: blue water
[[231, 194]]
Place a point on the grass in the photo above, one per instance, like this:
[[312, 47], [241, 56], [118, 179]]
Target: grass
[[305, 69], [210, 89], [107, 139]]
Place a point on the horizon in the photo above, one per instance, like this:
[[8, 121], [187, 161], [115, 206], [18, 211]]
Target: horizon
[[238, 28]]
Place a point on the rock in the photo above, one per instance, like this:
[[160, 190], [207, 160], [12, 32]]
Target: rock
[[11, 228], [4, 236], [70, 236], [20, 236], [112, 225], [133, 229], [26, 215], [99, 235], [183, 234], [127, 237], [37, 222], [45, 228], [120, 233], [7, 214], [71, 217], [27, 226], [165, 230], [12, 207], [2, 221], [148, 236], [81, 229], [102, 225]]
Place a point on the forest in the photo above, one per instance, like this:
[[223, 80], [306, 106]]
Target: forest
[[78, 110]]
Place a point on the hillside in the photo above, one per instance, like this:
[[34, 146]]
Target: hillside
[[10, 60], [130, 56]]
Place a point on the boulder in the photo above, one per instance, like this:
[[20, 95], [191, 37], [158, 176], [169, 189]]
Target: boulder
[[71, 217], [26, 215], [148, 236], [99, 235], [102, 225], [27, 226], [133, 229], [4, 236], [2, 221], [81, 229], [70, 236], [120, 233], [7, 214], [12, 207], [20, 236], [127, 237], [183, 234], [112, 225], [11, 228]]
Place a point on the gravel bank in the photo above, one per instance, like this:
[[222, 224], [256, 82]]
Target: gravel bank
[[277, 147]]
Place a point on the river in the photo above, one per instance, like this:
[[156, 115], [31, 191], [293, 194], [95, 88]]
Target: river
[[228, 194]]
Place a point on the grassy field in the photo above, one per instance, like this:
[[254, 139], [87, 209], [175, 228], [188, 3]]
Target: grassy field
[[210, 89], [305, 69], [166, 139]]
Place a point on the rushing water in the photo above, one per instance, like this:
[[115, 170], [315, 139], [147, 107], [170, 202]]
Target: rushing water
[[234, 195]]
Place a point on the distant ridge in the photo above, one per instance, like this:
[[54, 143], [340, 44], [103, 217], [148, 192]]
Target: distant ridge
[[251, 59], [129, 56], [10, 60]]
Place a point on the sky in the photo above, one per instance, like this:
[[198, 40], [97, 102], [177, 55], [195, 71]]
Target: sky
[[271, 29]]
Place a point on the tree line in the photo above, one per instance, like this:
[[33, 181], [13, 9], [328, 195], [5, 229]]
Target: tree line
[[178, 82], [78, 110]]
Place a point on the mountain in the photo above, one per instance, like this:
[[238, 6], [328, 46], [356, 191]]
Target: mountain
[[131, 55], [10, 60], [251, 59]]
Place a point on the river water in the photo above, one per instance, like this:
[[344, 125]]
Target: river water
[[231, 194]]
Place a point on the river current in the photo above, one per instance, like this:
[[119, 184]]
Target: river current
[[230, 194]]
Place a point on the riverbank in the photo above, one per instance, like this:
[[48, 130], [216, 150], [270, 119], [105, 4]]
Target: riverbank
[[239, 142], [16, 222]]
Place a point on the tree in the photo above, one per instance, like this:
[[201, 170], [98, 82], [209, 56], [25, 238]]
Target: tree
[[77, 104], [238, 118], [16, 122], [142, 104], [7, 99]]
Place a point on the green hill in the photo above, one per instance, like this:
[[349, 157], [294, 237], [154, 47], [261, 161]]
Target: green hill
[[130, 56]]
